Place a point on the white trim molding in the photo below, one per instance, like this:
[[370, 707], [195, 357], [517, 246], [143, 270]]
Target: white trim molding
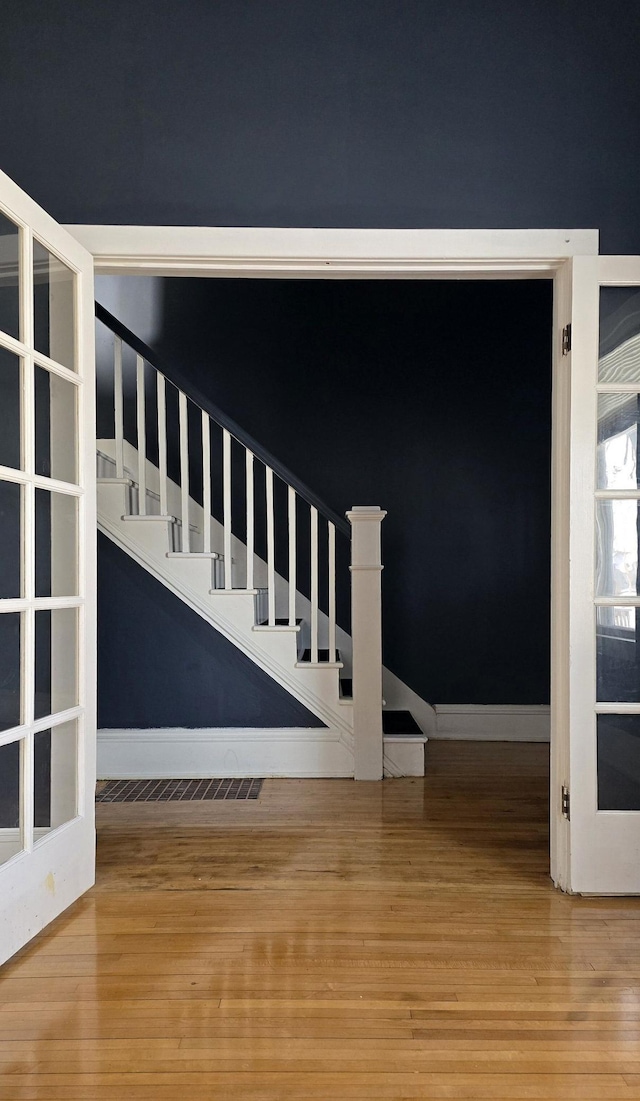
[[240, 752], [198, 251], [492, 722]]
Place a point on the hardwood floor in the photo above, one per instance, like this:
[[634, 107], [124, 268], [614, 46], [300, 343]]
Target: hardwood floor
[[332, 941]]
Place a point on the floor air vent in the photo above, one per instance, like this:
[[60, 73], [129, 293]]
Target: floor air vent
[[171, 791]]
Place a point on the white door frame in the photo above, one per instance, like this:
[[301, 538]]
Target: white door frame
[[556, 254]]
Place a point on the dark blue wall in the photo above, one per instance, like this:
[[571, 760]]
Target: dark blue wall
[[431, 399], [505, 113], [160, 664]]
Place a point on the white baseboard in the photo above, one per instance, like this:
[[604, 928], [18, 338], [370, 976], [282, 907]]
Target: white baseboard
[[234, 752], [492, 722]]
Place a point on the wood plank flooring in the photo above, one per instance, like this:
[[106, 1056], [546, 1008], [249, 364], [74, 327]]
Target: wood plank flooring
[[332, 941]]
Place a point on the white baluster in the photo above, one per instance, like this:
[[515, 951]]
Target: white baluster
[[206, 481], [184, 471], [142, 437], [162, 440], [250, 518], [331, 538], [271, 568], [314, 584], [226, 502], [118, 405], [292, 556]]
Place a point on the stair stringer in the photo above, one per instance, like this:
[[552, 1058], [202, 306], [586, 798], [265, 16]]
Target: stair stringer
[[231, 613]]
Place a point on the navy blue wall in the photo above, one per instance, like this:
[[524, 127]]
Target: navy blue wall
[[505, 113], [160, 664], [478, 113]]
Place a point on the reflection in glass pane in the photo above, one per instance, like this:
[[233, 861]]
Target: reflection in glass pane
[[9, 277], [10, 523], [619, 334], [10, 710], [56, 544], [10, 833], [56, 686], [10, 389], [618, 762], [53, 305], [618, 655], [55, 777], [618, 416], [55, 427], [617, 548]]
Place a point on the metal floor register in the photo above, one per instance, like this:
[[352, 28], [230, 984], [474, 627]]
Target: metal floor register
[[165, 791]]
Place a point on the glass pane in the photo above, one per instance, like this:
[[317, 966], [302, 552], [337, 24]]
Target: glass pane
[[53, 307], [55, 427], [618, 416], [617, 548], [56, 544], [10, 710], [10, 424], [10, 557], [10, 839], [9, 277], [619, 334], [56, 684], [618, 654], [55, 754], [618, 762]]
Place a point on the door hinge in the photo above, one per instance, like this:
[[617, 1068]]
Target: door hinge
[[566, 803], [566, 339]]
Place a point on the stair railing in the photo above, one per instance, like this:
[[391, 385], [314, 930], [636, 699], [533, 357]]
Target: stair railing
[[290, 540]]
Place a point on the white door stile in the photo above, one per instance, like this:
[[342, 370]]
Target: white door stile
[[271, 551], [605, 844], [184, 471], [560, 589], [118, 405], [161, 397], [250, 517], [226, 507], [206, 482], [331, 541], [55, 864], [291, 518], [314, 585], [142, 437]]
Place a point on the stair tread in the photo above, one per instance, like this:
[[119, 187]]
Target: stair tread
[[400, 724], [196, 554], [278, 623]]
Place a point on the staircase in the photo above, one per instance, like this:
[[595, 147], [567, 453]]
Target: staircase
[[211, 515]]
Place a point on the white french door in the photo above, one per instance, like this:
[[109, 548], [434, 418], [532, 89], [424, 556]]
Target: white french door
[[47, 569], [601, 687]]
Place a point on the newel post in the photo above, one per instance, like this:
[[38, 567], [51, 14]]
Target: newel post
[[366, 632]]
